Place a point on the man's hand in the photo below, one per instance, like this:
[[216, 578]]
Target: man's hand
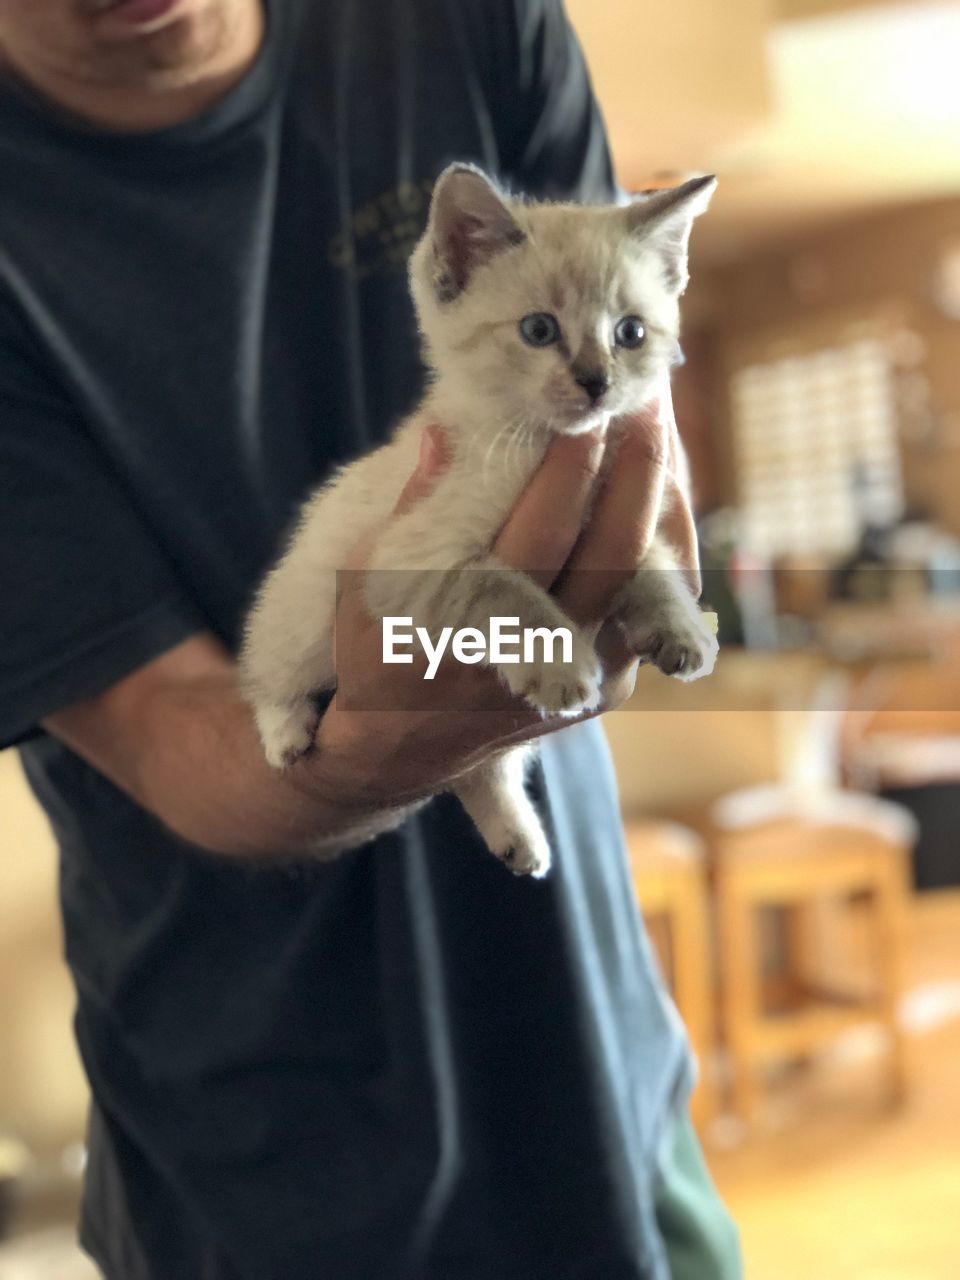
[[178, 738], [387, 757]]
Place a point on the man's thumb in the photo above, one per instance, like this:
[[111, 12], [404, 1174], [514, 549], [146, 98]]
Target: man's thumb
[[431, 464]]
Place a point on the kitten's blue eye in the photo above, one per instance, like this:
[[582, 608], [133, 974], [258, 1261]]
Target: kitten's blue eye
[[629, 332], [540, 329]]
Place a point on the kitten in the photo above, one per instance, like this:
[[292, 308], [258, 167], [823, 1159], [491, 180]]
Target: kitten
[[536, 319]]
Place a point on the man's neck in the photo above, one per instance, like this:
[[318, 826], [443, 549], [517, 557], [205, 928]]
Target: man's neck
[[135, 109]]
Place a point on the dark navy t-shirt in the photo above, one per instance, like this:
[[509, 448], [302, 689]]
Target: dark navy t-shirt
[[406, 1064]]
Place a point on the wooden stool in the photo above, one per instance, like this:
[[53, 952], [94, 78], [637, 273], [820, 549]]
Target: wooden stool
[[792, 850], [669, 877]]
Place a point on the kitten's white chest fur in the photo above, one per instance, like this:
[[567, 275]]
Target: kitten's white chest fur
[[537, 320]]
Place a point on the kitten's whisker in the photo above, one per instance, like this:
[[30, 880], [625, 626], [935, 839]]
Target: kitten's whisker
[[491, 446], [515, 441], [508, 448]]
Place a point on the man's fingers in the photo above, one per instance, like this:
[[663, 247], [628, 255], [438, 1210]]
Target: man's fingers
[[433, 461], [623, 522], [662, 406], [676, 524], [679, 530], [543, 527]]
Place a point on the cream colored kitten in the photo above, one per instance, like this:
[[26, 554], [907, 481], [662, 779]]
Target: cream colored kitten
[[537, 319]]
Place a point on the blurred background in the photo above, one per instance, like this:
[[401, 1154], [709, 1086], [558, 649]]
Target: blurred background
[[794, 822]]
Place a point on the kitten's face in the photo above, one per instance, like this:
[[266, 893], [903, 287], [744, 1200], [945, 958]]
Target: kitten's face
[[556, 316]]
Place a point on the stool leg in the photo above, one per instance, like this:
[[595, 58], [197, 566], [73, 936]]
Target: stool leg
[[692, 976], [800, 928], [741, 1000], [890, 895]]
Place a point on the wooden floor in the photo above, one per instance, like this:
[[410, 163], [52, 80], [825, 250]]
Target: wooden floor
[[834, 1187]]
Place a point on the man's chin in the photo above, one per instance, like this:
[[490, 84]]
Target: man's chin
[[173, 55]]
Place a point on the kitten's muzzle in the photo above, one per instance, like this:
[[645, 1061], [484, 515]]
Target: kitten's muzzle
[[595, 383]]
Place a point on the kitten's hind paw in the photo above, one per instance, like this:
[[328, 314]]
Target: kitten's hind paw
[[525, 854], [287, 732]]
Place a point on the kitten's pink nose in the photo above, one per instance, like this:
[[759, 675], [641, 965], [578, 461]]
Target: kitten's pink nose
[[595, 383]]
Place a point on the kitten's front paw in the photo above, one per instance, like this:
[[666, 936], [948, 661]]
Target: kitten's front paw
[[557, 689], [681, 646], [287, 732]]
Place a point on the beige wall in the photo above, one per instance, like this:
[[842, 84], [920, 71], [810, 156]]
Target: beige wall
[[42, 1092], [676, 81]]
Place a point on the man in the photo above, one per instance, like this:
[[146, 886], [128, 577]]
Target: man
[[404, 1063]]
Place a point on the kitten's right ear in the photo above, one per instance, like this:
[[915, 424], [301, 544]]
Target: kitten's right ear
[[469, 225]]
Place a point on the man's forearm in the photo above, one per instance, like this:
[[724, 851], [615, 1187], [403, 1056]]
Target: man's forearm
[[180, 740], [207, 779]]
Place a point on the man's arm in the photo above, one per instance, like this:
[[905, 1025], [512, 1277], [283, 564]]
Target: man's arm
[[178, 738]]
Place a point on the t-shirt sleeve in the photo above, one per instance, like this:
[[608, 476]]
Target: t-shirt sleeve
[[551, 131], [86, 595]]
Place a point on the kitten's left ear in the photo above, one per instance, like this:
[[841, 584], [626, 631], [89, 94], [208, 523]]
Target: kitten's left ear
[[469, 225], [665, 219]]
